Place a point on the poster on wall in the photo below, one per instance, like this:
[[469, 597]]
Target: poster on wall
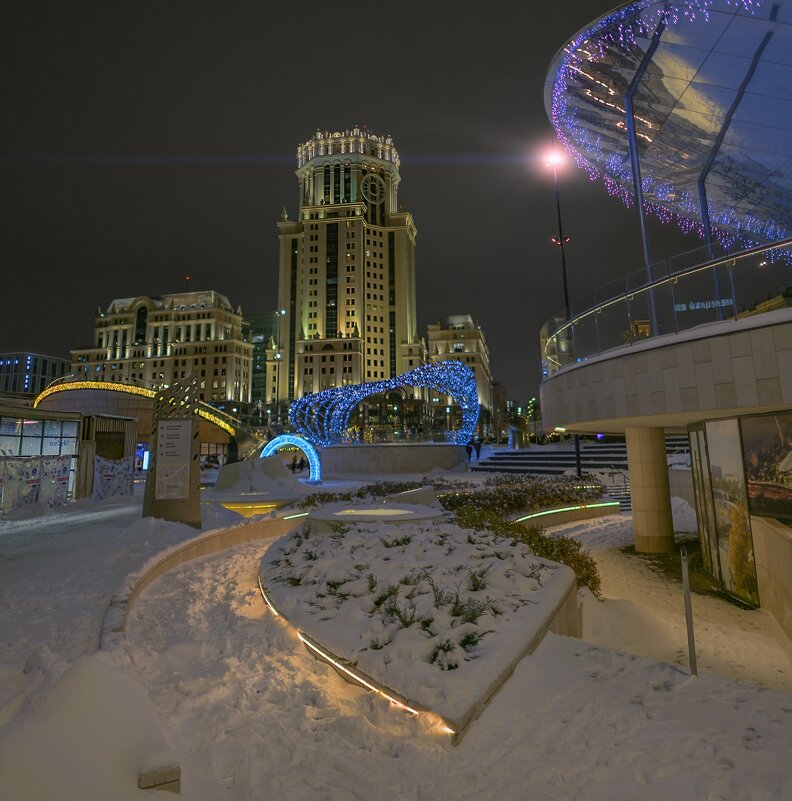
[[54, 486], [735, 542], [112, 477], [767, 450], [20, 482]]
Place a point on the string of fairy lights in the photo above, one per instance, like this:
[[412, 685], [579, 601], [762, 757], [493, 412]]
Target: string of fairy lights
[[323, 417], [580, 90], [202, 411]]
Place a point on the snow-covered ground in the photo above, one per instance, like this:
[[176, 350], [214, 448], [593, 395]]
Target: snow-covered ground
[[431, 610], [643, 611], [210, 678]]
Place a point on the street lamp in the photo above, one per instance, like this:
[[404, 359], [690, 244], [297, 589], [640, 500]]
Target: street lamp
[[532, 410], [554, 160]]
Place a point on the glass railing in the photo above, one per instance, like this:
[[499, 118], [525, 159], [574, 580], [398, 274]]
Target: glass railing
[[701, 286]]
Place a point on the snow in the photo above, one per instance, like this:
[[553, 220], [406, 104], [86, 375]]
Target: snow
[[254, 480], [209, 677], [433, 611], [119, 733]]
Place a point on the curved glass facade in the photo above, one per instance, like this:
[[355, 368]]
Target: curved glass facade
[[710, 83]]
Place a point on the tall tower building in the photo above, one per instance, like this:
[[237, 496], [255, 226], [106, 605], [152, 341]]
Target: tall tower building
[[347, 268]]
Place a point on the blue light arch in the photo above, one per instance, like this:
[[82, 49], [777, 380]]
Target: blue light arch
[[314, 462], [323, 417]]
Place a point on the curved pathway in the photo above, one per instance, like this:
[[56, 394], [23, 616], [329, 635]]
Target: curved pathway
[[576, 721]]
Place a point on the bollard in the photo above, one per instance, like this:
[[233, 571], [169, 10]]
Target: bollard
[[688, 612]]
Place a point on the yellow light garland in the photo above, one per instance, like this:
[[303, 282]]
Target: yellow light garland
[[130, 389]]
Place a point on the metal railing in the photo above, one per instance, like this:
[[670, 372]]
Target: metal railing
[[694, 288]]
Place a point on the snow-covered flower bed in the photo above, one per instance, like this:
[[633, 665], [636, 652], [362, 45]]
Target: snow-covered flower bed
[[435, 612]]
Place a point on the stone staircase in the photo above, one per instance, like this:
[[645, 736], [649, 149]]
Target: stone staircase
[[622, 495], [607, 460]]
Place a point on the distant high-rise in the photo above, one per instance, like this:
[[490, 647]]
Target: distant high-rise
[[23, 375], [261, 330], [347, 269], [461, 338]]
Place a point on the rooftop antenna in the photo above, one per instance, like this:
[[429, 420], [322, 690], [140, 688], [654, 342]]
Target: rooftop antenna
[[187, 279]]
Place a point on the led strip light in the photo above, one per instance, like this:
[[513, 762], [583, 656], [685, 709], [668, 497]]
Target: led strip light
[[357, 677], [566, 509]]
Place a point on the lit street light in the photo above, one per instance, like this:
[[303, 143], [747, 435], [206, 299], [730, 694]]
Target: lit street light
[[554, 160], [532, 412]]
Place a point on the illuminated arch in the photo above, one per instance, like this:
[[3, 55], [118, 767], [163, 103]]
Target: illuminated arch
[[314, 463], [208, 413], [323, 417]]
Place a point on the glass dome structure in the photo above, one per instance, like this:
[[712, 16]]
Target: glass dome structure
[[686, 107]]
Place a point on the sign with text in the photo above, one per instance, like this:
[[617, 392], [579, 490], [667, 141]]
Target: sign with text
[[174, 443]]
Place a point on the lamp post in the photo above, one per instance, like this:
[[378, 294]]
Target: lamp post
[[532, 409], [555, 160]]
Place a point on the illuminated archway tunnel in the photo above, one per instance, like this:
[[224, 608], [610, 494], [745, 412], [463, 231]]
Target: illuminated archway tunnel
[[323, 417], [314, 462]]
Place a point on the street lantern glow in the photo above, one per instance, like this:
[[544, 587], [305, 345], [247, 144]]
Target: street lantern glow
[[554, 159]]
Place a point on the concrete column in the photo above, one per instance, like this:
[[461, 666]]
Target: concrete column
[[651, 500]]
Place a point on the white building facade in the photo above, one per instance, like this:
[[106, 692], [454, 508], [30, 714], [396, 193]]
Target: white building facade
[[154, 341]]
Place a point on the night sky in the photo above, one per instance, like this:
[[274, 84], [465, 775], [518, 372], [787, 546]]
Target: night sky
[[144, 141]]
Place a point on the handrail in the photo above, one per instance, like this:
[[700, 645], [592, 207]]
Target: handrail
[[670, 278]]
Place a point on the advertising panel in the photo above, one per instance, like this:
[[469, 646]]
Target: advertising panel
[[20, 482], [735, 542], [767, 450]]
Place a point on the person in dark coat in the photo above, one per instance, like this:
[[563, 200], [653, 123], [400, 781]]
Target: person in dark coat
[[477, 446], [469, 449]]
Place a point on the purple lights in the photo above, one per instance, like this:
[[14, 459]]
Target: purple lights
[[710, 110]]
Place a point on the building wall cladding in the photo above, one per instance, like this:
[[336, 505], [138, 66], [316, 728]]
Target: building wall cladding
[[773, 550], [721, 369]]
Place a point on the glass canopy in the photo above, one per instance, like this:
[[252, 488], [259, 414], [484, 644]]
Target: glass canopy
[[712, 105]]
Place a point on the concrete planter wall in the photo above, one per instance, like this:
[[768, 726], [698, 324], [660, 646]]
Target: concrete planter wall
[[557, 518], [357, 460]]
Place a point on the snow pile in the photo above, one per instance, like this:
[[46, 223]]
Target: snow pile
[[215, 515], [265, 478], [88, 739], [436, 613]]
